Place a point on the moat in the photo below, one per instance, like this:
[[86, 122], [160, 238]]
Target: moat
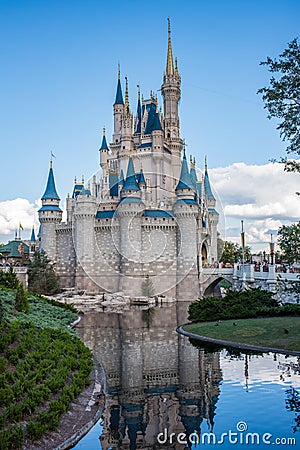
[[158, 383]]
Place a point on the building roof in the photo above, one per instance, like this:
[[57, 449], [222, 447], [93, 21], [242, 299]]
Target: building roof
[[104, 145], [130, 184], [32, 237], [140, 177], [186, 201], [158, 213], [50, 191], [13, 249], [185, 181], [105, 214], [121, 182], [113, 185], [50, 208], [119, 96], [153, 122], [207, 187], [77, 189]]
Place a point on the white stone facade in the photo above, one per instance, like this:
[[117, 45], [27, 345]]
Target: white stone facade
[[148, 217]]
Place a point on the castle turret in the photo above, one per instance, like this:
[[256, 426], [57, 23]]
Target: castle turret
[[84, 238], [118, 111], [130, 211], [213, 217], [127, 125], [186, 211], [50, 215], [171, 92], [103, 152]]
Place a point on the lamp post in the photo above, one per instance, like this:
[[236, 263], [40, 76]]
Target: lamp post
[[272, 246]]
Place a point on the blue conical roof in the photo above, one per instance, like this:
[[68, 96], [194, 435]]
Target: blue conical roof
[[207, 187], [156, 123], [185, 181], [104, 145], [139, 117], [141, 178], [32, 237], [119, 96], [50, 191], [193, 175], [121, 177], [130, 183]]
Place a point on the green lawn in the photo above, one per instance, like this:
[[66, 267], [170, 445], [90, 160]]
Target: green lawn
[[275, 332]]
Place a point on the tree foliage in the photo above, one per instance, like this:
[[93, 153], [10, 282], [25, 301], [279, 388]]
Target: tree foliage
[[289, 242], [282, 98], [21, 300], [42, 278], [233, 252], [9, 279]]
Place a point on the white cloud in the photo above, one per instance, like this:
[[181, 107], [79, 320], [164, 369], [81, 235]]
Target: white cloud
[[14, 212], [263, 196]]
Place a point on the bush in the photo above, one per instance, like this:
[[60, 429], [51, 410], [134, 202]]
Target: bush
[[239, 305]]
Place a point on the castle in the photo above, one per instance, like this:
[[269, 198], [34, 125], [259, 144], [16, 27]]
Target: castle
[[149, 223]]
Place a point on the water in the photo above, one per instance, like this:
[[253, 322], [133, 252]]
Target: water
[[163, 390]]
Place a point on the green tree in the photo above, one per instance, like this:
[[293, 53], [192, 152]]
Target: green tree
[[282, 99], [233, 252], [21, 300], [289, 242], [42, 278], [9, 279]]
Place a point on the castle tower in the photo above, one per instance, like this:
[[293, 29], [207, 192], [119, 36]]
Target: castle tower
[[213, 217], [104, 153], [186, 211], [171, 93], [50, 215], [84, 239], [130, 211], [127, 125], [118, 111]]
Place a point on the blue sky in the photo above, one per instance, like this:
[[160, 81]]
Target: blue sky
[[59, 71]]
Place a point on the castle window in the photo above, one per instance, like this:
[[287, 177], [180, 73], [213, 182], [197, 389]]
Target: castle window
[[123, 147]]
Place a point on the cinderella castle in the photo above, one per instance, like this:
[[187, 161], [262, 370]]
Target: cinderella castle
[[149, 221]]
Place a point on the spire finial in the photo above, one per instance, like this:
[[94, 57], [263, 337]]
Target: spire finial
[[126, 96], [205, 163], [170, 62], [139, 92], [82, 180], [104, 131], [75, 180], [119, 72]]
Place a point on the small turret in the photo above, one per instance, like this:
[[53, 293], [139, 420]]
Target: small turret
[[50, 215], [130, 186], [138, 127], [103, 152], [118, 111], [207, 188]]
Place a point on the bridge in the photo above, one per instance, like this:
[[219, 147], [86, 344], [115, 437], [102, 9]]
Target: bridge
[[245, 276]]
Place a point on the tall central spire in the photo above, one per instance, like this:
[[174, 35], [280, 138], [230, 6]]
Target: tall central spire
[[127, 109], [170, 62]]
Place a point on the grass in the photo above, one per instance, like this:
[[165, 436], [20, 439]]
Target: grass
[[43, 367], [265, 332]]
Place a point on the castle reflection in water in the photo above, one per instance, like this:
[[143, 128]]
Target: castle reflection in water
[[156, 380]]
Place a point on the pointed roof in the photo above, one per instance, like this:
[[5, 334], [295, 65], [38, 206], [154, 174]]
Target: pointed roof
[[130, 184], [104, 145], [193, 173], [139, 113], [185, 181], [170, 62], [32, 237], [141, 178], [121, 182], [119, 96], [113, 185], [156, 122], [50, 191], [207, 188]]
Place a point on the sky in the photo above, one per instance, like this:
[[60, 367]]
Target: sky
[[58, 76]]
